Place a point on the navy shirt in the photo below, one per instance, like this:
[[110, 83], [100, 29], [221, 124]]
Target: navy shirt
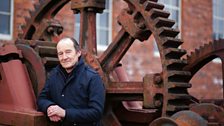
[[81, 93]]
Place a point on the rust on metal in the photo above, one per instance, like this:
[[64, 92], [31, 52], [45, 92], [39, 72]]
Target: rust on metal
[[210, 112], [152, 91], [159, 99]]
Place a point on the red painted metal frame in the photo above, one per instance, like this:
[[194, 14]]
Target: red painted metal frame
[[18, 102]]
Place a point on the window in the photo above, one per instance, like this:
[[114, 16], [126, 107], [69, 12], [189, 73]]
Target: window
[[103, 26], [218, 19], [6, 19], [172, 6], [77, 26]]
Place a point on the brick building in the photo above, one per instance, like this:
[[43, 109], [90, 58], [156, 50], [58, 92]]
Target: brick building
[[199, 21]]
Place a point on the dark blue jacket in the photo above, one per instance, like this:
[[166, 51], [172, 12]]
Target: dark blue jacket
[[81, 94]]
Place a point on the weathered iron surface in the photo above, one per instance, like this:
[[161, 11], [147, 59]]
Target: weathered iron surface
[[163, 96], [17, 104]]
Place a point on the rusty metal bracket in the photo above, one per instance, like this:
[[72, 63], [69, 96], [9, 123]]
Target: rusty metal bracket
[[153, 91]]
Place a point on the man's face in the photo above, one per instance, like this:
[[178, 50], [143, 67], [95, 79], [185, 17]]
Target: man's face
[[67, 54]]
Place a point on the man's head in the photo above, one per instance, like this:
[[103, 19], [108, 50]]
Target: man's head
[[68, 53]]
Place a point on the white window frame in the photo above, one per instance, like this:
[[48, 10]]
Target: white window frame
[[155, 48], [217, 18], [109, 10], [100, 47], [77, 28], [9, 36]]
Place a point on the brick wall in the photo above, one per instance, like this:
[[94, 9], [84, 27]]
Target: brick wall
[[196, 23]]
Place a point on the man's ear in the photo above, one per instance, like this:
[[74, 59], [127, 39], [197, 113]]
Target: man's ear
[[79, 53]]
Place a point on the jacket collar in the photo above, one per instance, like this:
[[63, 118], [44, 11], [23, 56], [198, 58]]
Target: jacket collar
[[78, 67]]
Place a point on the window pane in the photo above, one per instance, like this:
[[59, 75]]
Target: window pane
[[77, 18], [220, 11], [176, 3], [4, 24], [77, 29], [221, 25], [5, 5], [214, 10], [103, 37], [103, 20], [174, 15], [215, 26], [173, 2], [107, 4], [218, 19]]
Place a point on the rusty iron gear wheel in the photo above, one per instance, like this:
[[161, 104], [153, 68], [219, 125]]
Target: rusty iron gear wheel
[[203, 55], [211, 109], [151, 18], [146, 17]]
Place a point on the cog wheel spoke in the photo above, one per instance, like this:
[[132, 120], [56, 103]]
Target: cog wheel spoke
[[117, 49]]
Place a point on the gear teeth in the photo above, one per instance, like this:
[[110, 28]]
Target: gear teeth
[[176, 64], [173, 96], [179, 76], [149, 5], [160, 21], [174, 53], [179, 85], [204, 54], [169, 32], [159, 13], [197, 50], [171, 42], [201, 47], [190, 55]]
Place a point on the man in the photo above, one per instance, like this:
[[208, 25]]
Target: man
[[73, 94]]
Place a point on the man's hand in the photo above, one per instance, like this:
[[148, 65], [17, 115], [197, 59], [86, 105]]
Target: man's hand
[[55, 118], [55, 113]]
